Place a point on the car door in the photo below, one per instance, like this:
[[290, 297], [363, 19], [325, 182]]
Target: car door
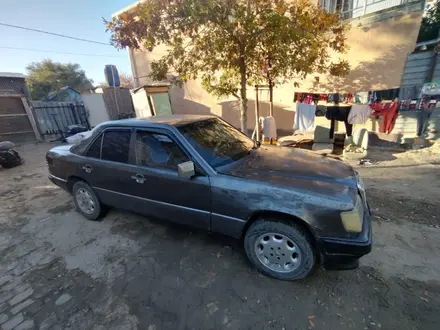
[[157, 186], [106, 166]]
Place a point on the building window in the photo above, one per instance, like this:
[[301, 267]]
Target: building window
[[356, 8]]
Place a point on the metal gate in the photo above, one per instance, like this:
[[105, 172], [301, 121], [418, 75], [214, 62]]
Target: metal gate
[[54, 118]]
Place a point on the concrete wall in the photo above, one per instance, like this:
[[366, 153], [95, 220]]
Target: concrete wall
[[95, 106], [379, 44]]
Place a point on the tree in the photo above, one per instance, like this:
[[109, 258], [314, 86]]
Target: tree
[[126, 80], [48, 76], [430, 26], [227, 43]]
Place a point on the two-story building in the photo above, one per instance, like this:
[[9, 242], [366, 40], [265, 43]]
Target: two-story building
[[382, 34]]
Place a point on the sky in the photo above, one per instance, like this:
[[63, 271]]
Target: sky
[[77, 18]]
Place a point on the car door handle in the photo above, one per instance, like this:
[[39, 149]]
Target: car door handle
[[139, 178], [87, 168]]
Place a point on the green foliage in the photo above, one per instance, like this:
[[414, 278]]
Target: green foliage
[[228, 43], [429, 29], [48, 76]]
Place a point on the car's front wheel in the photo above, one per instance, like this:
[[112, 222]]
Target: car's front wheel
[[86, 201], [279, 249]]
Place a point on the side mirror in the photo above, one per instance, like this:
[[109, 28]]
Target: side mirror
[[186, 170]]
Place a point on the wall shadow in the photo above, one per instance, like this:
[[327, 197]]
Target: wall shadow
[[181, 104], [360, 77], [230, 111]]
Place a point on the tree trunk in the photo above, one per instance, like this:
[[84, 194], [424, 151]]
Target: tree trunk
[[243, 96]]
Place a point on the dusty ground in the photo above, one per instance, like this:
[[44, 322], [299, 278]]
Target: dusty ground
[[60, 271]]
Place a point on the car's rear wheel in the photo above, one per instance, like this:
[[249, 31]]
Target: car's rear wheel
[[280, 249], [86, 201]]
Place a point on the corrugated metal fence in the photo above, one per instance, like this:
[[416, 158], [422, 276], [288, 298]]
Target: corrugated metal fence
[[53, 118]]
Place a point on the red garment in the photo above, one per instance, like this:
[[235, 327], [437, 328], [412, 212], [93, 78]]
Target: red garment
[[308, 99], [389, 112]]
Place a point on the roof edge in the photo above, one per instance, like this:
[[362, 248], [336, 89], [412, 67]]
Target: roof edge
[[12, 75], [128, 9]]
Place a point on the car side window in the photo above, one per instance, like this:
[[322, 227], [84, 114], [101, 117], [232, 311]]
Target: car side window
[[116, 145], [94, 150], [158, 151]]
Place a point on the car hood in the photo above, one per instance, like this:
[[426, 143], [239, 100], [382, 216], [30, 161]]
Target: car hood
[[271, 164]]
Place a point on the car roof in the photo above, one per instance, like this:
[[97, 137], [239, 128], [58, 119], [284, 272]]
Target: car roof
[[154, 121]]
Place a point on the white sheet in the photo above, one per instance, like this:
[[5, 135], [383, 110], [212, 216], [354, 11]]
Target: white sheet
[[359, 114], [304, 117]]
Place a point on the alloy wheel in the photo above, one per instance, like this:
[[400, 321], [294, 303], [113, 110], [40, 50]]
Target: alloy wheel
[[277, 252], [85, 201]]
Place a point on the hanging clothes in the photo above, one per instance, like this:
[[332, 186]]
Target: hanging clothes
[[412, 104], [403, 104], [372, 98], [297, 97], [333, 98], [359, 114], [308, 99], [423, 120], [361, 98], [320, 110], [323, 97], [347, 98], [389, 112], [304, 117], [339, 113], [386, 94], [427, 108]]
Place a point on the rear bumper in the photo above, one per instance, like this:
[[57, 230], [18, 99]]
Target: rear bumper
[[342, 253], [59, 182]]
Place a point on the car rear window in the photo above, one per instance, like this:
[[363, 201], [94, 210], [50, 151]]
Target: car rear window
[[94, 150], [81, 147]]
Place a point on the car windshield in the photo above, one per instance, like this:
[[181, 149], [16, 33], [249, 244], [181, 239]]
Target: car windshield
[[216, 141]]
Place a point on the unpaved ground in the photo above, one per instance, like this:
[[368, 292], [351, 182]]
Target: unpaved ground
[[60, 271]]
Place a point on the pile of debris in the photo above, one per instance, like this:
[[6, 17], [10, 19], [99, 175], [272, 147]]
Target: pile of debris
[[429, 154], [354, 148]]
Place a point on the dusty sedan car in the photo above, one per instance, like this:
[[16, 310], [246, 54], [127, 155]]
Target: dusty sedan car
[[292, 208]]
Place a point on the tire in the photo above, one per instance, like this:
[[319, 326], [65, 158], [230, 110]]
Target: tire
[[82, 189], [289, 245]]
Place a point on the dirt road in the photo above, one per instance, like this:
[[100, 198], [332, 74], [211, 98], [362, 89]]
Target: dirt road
[[60, 271]]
